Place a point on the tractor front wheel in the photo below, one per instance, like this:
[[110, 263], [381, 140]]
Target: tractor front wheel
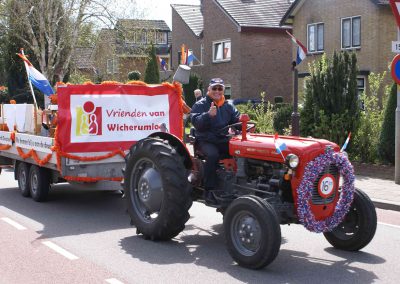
[[358, 227], [252, 232], [157, 190]]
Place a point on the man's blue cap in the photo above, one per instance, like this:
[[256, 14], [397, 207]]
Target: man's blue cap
[[217, 82]]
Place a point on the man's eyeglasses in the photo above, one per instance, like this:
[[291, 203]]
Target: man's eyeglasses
[[217, 89]]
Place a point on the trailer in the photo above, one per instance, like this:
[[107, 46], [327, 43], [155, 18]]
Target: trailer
[[95, 127]]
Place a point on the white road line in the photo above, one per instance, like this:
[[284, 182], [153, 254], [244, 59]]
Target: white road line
[[13, 223], [390, 225], [113, 281], [60, 250]]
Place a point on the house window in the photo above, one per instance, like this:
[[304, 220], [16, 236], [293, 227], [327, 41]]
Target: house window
[[351, 32], [109, 66], [112, 66], [315, 37], [361, 90], [228, 91], [162, 38], [141, 37], [221, 51], [115, 65]]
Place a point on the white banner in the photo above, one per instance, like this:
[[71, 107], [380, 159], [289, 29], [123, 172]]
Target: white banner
[[37, 143], [5, 138], [113, 118]]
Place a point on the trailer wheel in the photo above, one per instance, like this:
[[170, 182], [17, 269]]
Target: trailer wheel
[[157, 189], [358, 227], [23, 179], [39, 179], [252, 232]]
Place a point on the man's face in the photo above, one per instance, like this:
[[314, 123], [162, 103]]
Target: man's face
[[216, 92]]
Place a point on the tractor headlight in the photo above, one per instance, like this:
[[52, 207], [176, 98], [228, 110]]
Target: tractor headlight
[[292, 161]]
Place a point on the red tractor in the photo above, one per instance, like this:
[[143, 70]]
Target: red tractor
[[311, 182]]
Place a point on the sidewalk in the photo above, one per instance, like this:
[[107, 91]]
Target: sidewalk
[[383, 192]]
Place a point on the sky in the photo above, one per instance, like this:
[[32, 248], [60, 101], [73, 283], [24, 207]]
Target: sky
[[161, 9]]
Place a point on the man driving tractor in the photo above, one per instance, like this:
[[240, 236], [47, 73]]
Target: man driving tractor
[[209, 116]]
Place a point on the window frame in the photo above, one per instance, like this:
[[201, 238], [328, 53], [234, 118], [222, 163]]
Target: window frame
[[316, 37], [109, 66], [228, 87], [164, 36], [214, 43], [352, 46]]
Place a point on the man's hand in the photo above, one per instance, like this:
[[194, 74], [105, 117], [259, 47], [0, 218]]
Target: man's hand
[[213, 110]]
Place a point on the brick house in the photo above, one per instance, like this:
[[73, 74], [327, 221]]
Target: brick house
[[240, 41], [124, 48], [366, 27], [82, 62]]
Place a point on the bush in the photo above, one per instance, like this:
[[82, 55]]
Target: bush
[[134, 75], [262, 113], [365, 143], [331, 97], [282, 118], [386, 146]]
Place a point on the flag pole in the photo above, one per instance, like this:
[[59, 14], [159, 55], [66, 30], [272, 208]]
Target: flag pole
[[29, 81]]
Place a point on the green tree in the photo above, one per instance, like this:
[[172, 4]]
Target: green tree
[[331, 96], [188, 89], [386, 146], [152, 73]]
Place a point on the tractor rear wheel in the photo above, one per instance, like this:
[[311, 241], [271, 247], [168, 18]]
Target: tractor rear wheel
[[157, 190], [252, 232], [358, 227]]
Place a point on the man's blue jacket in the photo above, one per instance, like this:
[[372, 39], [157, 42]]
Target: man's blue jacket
[[208, 128]]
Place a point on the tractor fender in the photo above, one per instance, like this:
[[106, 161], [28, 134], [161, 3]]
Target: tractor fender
[[177, 143]]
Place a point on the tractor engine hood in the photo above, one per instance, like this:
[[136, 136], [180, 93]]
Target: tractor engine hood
[[262, 147]]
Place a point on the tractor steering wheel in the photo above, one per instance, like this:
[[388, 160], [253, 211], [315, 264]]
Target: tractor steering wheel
[[251, 125]]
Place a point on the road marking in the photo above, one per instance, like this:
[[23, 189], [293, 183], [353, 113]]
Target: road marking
[[13, 223], [113, 281], [390, 225], [60, 250]]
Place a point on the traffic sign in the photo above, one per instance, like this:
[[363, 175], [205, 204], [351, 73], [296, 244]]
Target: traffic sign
[[396, 46], [395, 69], [395, 4]]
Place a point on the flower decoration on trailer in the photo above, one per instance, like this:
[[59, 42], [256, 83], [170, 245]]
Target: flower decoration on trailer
[[304, 192]]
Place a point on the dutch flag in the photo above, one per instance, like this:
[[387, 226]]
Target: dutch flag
[[301, 49], [190, 58], [37, 78], [279, 145], [345, 143]]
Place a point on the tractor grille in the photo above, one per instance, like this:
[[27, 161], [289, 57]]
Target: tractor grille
[[316, 198]]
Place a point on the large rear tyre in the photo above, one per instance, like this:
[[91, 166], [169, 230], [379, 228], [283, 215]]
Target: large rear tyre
[[358, 227], [39, 179], [23, 179], [252, 232], [157, 190]]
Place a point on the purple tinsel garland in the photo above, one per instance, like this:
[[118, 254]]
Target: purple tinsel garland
[[304, 192]]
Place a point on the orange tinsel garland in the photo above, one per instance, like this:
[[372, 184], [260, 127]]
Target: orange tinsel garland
[[32, 153], [90, 179], [4, 147]]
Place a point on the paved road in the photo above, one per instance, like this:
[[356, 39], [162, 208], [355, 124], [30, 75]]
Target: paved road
[[98, 246]]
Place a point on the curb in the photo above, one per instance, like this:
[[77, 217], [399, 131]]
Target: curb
[[386, 205]]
